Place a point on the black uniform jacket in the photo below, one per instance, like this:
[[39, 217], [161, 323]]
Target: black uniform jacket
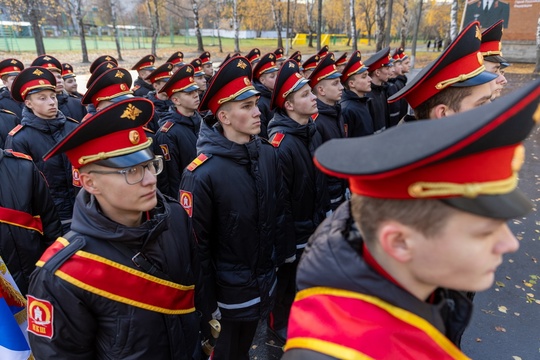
[[356, 114], [70, 106], [161, 107], [8, 121], [141, 87], [36, 137], [24, 189], [88, 325], [8, 103], [306, 184], [400, 108], [176, 140], [379, 102], [238, 219], [264, 107], [333, 258], [330, 125]]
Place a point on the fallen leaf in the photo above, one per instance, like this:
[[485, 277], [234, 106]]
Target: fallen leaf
[[517, 314], [478, 340], [499, 284], [510, 260], [530, 295], [508, 277], [503, 309], [527, 284], [516, 358], [500, 329]]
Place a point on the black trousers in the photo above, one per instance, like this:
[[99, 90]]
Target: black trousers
[[285, 293], [235, 340]]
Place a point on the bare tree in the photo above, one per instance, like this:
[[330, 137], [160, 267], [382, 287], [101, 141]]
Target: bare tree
[[367, 11], [537, 67], [195, 7], [387, 34], [278, 25], [236, 27], [319, 24], [79, 15], [416, 27], [218, 12], [353, 25], [380, 19], [115, 28], [309, 15], [176, 8], [404, 23], [454, 20], [155, 23], [34, 16]]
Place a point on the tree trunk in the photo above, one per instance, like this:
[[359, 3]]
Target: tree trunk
[[115, 30], [276, 14], [157, 29], [387, 34], [218, 20], [236, 27], [404, 23], [353, 25], [454, 20], [82, 35], [380, 19], [309, 13], [33, 16], [195, 7], [319, 24], [537, 67], [415, 35]]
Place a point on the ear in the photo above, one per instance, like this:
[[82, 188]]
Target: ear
[[288, 106], [396, 240], [223, 117], [439, 111], [89, 183], [320, 90], [155, 86]]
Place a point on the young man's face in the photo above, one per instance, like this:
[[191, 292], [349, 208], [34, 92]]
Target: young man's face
[[117, 199], [70, 84], [397, 68], [331, 89], [8, 81], [382, 75], [306, 73], [405, 66], [303, 104], [59, 81], [463, 255], [201, 82], [186, 100], [143, 74], [269, 80], [208, 69], [498, 83], [158, 85], [44, 104], [481, 95], [360, 83], [241, 119]]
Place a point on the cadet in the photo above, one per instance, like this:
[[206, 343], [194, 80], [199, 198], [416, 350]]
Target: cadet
[[137, 244], [455, 82], [69, 106], [254, 56], [144, 67], [398, 109], [326, 85], [158, 78], [42, 126], [111, 86], [490, 48], [177, 137], [383, 277], [297, 56], [100, 60], [379, 70], [9, 69], [355, 105], [323, 51], [198, 76], [70, 81], [264, 79], [29, 222], [309, 65], [295, 137], [341, 62], [207, 67], [280, 56], [177, 59], [234, 191]]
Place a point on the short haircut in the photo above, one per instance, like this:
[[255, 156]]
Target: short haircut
[[346, 83], [451, 97], [428, 216]]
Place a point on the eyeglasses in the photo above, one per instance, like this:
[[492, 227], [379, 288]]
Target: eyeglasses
[[135, 174]]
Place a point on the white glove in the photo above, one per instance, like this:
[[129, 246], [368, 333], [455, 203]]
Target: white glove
[[216, 315]]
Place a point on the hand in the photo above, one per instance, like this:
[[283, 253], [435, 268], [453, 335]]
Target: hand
[[216, 315]]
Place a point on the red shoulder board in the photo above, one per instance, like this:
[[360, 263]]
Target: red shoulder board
[[197, 162], [314, 116], [136, 87], [19, 154], [278, 138], [167, 126], [15, 130]]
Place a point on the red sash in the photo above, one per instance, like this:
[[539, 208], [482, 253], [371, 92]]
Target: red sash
[[21, 219], [349, 325], [121, 283]]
